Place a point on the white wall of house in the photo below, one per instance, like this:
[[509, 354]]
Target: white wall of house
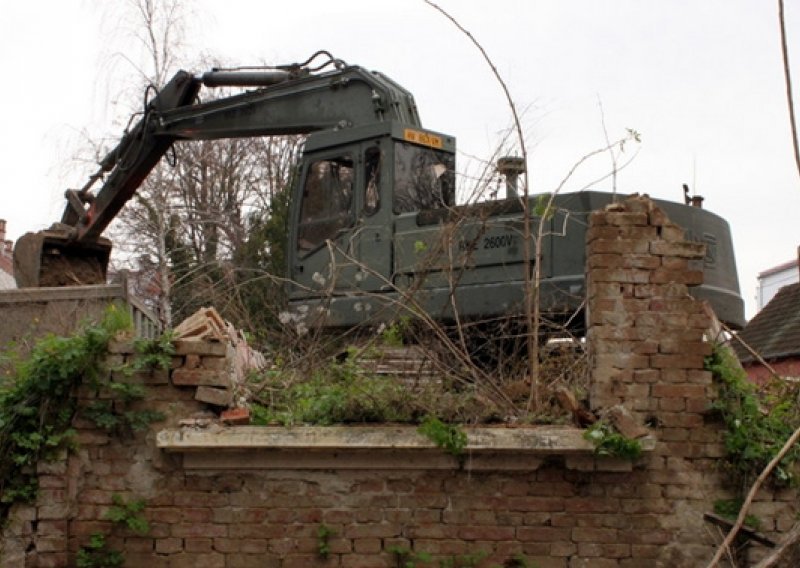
[[772, 280]]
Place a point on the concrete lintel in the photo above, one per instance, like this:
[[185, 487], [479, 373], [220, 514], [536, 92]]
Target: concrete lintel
[[367, 447]]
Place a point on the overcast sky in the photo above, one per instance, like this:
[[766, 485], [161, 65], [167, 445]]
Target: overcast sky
[[701, 80]]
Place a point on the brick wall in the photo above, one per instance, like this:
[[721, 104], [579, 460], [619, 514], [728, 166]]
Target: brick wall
[[562, 511]]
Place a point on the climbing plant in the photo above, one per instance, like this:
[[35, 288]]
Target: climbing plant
[[758, 420], [38, 402]]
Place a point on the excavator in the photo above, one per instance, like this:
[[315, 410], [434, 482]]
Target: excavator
[[373, 213]]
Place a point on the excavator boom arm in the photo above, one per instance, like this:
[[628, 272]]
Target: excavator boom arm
[[287, 100]]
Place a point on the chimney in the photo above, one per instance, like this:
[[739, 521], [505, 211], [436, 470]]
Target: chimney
[[2, 230]]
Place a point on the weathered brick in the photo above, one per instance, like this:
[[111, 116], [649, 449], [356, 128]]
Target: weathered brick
[[198, 530], [685, 277], [380, 530], [680, 249], [626, 275], [625, 218], [214, 396], [197, 560], [169, 545], [544, 534], [679, 390], [677, 361], [200, 377]]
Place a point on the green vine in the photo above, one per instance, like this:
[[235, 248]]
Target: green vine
[[37, 404], [729, 509], [96, 553], [450, 437], [608, 442], [324, 534], [406, 558], [38, 401], [758, 422], [116, 414], [154, 354]]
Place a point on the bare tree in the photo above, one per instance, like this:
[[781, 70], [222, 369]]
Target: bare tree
[[196, 209]]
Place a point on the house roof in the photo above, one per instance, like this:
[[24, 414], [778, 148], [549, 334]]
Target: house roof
[[780, 268], [774, 333]]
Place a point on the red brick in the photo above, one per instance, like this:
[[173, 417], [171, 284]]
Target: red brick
[[684, 390], [686, 277], [252, 545], [543, 534], [198, 544], [199, 530], [52, 560], [139, 544], [367, 545], [625, 218], [626, 275], [202, 499], [681, 249], [169, 545], [199, 560], [200, 377], [375, 530], [672, 404], [592, 505], [443, 531]]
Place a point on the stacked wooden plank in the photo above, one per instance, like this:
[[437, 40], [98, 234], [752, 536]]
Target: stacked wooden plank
[[217, 358]]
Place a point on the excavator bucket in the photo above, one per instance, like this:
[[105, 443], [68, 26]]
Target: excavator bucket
[[51, 258]]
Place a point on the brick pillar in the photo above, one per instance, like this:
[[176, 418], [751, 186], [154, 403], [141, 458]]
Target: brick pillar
[[645, 332]]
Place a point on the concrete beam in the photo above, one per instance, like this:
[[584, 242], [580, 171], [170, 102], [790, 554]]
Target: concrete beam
[[369, 447]]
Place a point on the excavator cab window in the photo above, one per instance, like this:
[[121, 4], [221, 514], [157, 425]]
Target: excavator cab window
[[372, 175], [423, 178], [327, 202]]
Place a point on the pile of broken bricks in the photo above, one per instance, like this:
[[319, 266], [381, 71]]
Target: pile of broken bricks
[[216, 360]]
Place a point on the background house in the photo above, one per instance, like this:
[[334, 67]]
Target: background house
[[774, 332], [773, 279], [6, 259]]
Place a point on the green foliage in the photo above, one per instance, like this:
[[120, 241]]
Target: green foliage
[[394, 335], [96, 554], [519, 561], [128, 514], [406, 558], [464, 560], [152, 354], [420, 247], [542, 208], [324, 533], [37, 405], [729, 509], [609, 442], [261, 267], [337, 393], [449, 437], [115, 415], [758, 423]]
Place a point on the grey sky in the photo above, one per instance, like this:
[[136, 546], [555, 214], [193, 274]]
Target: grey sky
[[700, 80]]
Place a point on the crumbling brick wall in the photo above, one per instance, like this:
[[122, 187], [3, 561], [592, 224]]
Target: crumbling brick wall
[[646, 342]]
